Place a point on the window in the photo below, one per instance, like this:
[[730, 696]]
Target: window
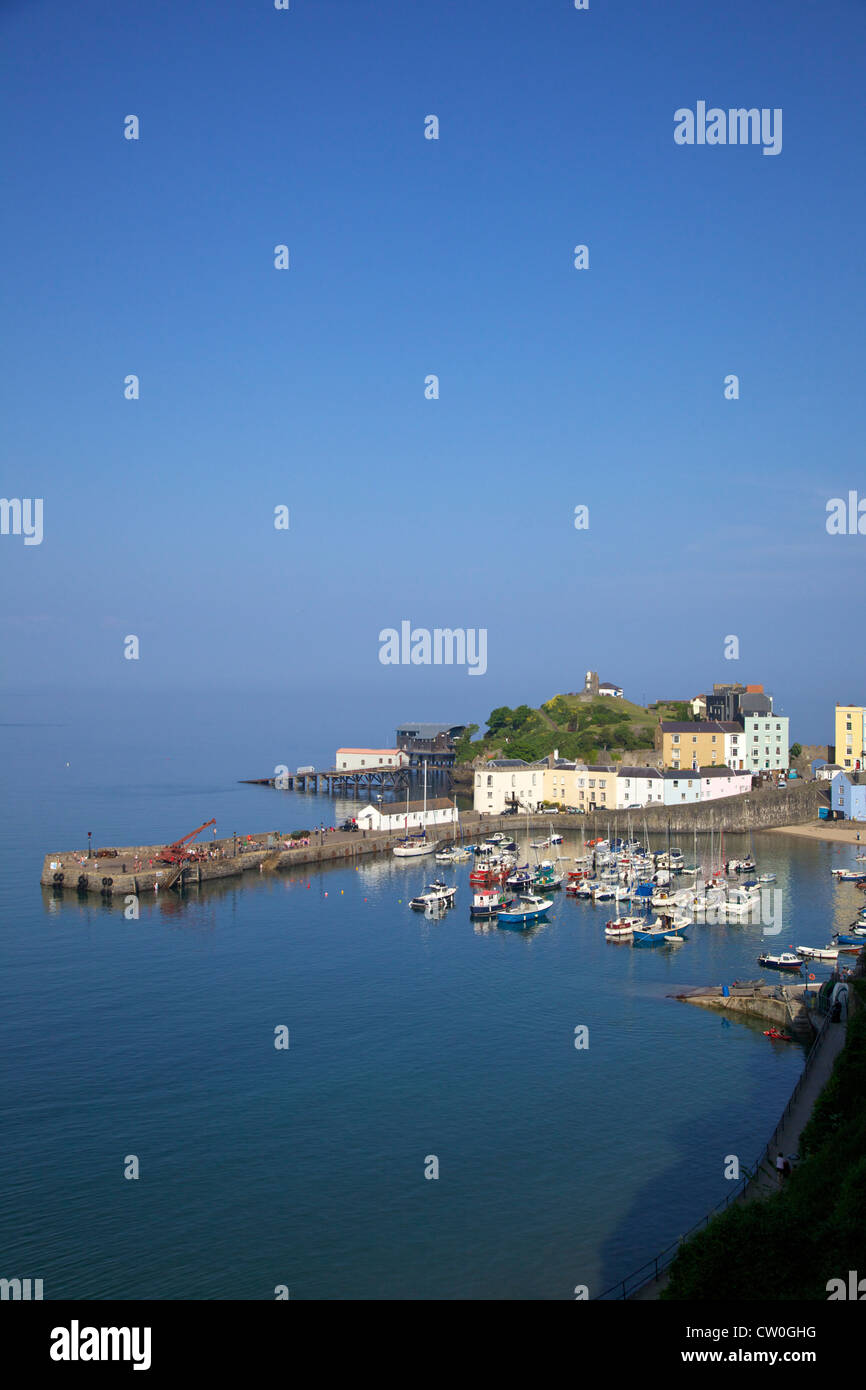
[[714, 738], [676, 738], [683, 796], [694, 738], [490, 780]]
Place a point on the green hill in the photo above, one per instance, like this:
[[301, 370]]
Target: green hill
[[587, 730]]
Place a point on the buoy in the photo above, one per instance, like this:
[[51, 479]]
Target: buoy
[[326, 895]]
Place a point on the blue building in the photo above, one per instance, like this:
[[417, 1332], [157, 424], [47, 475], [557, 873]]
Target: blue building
[[848, 795]]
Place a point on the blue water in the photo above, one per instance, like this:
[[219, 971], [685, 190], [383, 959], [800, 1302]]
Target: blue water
[[408, 1038]]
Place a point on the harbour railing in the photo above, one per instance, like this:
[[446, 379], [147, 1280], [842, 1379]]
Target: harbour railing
[[653, 1268]]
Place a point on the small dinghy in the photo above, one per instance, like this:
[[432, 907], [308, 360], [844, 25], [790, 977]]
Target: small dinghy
[[621, 927]]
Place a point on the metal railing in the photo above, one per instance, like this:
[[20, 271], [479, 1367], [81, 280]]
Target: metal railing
[[652, 1268]]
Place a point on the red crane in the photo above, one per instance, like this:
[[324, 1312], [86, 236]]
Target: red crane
[[174, 853]]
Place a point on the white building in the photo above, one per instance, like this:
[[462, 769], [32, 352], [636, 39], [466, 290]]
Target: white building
[[392, 816], [639, 786], [508, 782], [828, 771], [369, 759], [766, 742], [735, 746], [608, 688]]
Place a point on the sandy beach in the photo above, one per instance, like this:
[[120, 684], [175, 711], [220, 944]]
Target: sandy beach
[[845, 832]]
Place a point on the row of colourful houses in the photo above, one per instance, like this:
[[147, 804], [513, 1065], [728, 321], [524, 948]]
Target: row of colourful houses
[[512, 784]]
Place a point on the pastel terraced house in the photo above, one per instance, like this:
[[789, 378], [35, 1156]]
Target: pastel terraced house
[[851, 737]]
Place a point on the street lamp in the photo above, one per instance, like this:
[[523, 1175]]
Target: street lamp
[[89, 833]]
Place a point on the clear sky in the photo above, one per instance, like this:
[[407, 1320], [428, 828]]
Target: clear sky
[[409, 256]]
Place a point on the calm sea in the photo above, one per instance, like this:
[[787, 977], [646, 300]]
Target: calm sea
[[409, 1039]]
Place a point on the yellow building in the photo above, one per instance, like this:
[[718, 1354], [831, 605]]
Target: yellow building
[[851, 736], [587, 788], [685, 744]]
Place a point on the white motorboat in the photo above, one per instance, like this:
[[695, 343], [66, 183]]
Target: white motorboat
[[817, 952], [784, 960], [524, 911], [438, 894], [742, 901]]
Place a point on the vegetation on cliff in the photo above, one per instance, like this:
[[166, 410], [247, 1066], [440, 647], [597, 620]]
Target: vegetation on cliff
[[790, 1245], [587, 730]]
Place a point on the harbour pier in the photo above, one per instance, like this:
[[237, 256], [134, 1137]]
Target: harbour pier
[[789, 1006], [137, 869]]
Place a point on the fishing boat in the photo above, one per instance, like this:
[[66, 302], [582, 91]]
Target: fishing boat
[[519, 879], [849, 875], [545, 878], [620, 927], [438, 894], [785, 960], [818, 952], [487, 902], [855, 936], [494, 872], [527, 909]]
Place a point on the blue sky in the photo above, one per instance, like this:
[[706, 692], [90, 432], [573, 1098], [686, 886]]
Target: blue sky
[[410, 256]]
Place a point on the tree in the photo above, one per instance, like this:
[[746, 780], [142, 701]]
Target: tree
[[500, 718], [796, 750], [463, 747]]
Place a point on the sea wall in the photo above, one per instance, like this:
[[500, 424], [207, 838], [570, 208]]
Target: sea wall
[[135, 868]]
